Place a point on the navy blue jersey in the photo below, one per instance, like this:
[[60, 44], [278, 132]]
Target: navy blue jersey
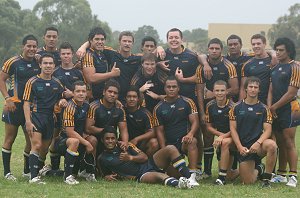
[[239, 61], [218, 116], [283, 76], [99, 62], [43, 94], [55, 54], [261, 69], [110, 162], [158, 80], [188, 62], [105, 116], [75, 116], [128, 67], [68, 76], [174, 117], [138, 122], [249, 121], [224, 70], [19, 71]]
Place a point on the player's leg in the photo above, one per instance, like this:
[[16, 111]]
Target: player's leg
[[248, 173], [152, 146], [26, 170], [36, 144], [208, 151], [192, 151], [161, 178], [70, 157]]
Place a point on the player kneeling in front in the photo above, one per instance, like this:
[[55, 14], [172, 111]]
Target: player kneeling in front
[[250, 126], [134, 164]]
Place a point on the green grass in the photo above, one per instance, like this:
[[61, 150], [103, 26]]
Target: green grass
[[56, 188]]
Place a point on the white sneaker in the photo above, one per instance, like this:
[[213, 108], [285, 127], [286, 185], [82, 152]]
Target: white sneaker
[[71, 180], [219, 182], [10, 177], [292, 181], [184, 183], [279, 179], [36, 180], [192, 180], [26, 175], [45, 170], [91, 178]]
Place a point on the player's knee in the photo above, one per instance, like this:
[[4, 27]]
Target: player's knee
[[153, 144], [193, 144], [271, 146], [226, 143]]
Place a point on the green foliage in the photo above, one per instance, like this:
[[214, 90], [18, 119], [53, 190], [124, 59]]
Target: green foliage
[[73, 18], [199, 37], [288, 26]]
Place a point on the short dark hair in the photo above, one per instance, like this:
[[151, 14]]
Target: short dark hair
[[148, 38], [233, 36], [109, 129], [77, 83], [259, 36], [126, 33], [111, 83], [289, 46], [135, 89], [252, 79], [149, 57], [221, 82], [175, 30], [44, 56], [50, 29], [215, 41], [66, 45], [29, 37], [94, 31], [172, 77]]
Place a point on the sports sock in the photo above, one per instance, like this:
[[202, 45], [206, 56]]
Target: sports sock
[[282, 172], [26, 162], [180, 165], [293, 173], [70, 158], [55, 160], [33, 164], [208, 158], [222, 175], [6, 155], [41, 163]]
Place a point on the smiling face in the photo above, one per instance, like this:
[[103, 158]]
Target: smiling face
[[220, 92], [98, 42], [80, 93], [29, 49], [174, 40], [109, 141], [47, 65], [149, 67], [258, 46], [126, 43], [282, 54]]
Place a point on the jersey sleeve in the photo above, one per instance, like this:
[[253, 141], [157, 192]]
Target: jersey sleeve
[[148, 119], [295, 77], [88, 60], [268, 116], [92, 110], [133, 150], [9, 66], [122, 116], [28, 94], [232, 114], [157, 115], [207, 114], [200, 75], [192, 108], [231, 69], [68, 115]]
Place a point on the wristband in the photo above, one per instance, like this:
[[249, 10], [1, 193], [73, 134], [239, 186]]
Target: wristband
[[6, 97]]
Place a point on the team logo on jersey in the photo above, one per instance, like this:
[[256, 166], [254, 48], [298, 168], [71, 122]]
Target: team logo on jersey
[[261, 62], [258, 113], [130, 115], [125, 60], [219, 111], [241, 112], [250, 109], [176, 57], [47, 84], [172, 106], [109, 112], [234, 63], [280, 69], [36, 70], [185, 61], [182, 108], [28, 65], [215, 68], [67, 73]]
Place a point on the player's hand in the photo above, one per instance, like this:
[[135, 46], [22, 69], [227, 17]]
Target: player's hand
[[254, 148], [68, 93], [179, 74], [160, 52], [29, 128], [112, 177], [243, 150], [188, 139], [37, 57], [273, 111], [89, 148], [146, 86], [62, 103], [118, 104], [124, 156], [134, 141], [123, 145], [164, 65], [115, 71], [207, 71], [218, 141], [81, 52], [9, 105], [152, 95]]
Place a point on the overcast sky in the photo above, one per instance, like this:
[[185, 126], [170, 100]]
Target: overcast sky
[[183, 14]]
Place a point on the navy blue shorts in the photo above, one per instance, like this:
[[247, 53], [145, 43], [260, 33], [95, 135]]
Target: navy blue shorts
[[15, 118], [288, 116], [44, 124], [147, 167], [251, 156]]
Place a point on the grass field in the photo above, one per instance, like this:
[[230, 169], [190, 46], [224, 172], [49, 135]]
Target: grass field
[[56, 188]]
